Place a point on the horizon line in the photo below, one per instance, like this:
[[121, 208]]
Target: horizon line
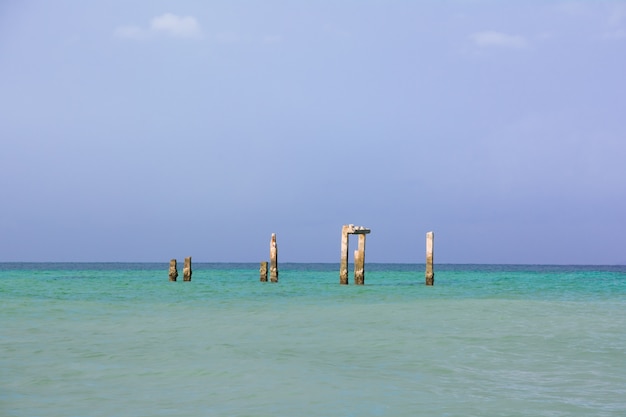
[[315, 262]]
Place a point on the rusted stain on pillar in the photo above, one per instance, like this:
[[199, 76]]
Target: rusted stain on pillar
[[263, 271], [187, 269], [430, 272], [359, 254], [173, 270], [273, 259]]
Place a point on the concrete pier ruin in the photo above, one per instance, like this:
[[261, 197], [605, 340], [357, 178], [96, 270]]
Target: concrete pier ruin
[[173, 270], [359, 254], [187, 269], [430, 272], [263, 271], [273, 259]]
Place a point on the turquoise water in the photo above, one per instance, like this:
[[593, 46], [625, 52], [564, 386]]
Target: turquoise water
[[120, 340]]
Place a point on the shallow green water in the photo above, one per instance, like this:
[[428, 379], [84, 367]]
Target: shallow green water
[[116, 339]]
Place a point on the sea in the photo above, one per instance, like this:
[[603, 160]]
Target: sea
[[115, 339]]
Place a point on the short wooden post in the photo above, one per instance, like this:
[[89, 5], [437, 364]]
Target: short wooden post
[[430, 272], [273, 259], [187, 269], [359, 262], [263, 271], [173, 270], [343, 263]]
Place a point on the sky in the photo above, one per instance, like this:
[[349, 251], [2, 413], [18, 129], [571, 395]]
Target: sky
[[149, 130]]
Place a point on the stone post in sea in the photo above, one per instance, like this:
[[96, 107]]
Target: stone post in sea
[[359, 262], [430, 272], [343, 263], [273, 259], [187, 269], [359, 254], [173, 270], [263, 271]]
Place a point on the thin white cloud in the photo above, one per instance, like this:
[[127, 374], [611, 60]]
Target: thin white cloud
[[167, 24], [177, 26], [498, 39]]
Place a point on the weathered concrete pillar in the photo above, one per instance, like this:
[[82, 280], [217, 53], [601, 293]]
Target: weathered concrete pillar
[[273, 259], [187, 269], [263, 271], [430, 272], [343, 264], [173, 270], [359, 262]]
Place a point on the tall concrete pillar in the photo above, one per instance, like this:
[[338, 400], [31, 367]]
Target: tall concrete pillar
[[430, 272], [173, 270], [273, 259], [263, 271], [343, 264], [187, 269], [359, 262]]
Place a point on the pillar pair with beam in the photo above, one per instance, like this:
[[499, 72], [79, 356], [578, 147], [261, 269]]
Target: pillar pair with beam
[[359, 254]]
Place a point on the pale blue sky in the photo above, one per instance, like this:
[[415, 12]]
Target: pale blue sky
[[147, 130]]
